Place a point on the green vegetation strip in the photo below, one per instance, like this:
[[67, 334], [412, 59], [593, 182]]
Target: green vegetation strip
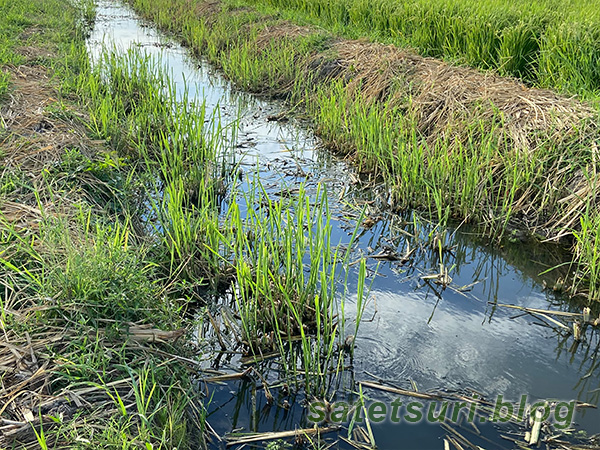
[[82, 363], [111, 235], [548, 43], [450, 140]]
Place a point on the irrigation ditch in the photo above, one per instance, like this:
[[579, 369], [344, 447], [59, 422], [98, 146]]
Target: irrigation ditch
[[454, 141], [422, 271], [282, 273]]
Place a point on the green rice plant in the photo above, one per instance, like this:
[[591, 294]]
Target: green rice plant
[[519, 49], [261, 70], [569, 58], [88, 11], [172, 138], [41, 437], [544, 42]]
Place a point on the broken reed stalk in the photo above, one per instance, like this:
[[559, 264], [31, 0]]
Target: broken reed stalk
[[537, 427], [235, 440]]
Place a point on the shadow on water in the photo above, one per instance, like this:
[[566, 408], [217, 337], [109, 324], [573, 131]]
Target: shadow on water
[[420, 330]]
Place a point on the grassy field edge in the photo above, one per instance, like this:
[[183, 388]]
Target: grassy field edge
[[95, 352]]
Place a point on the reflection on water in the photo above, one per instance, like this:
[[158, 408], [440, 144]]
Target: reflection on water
[[416, 333]]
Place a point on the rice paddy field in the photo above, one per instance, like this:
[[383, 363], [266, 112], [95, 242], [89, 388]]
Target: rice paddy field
[[214, 215], [547, 43]]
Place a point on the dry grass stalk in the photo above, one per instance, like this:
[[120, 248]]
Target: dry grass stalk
[[32, 139], [442, 92], [280, 31], [234, 440]]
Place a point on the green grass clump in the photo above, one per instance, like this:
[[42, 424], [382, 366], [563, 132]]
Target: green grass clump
[[287, 272], [32, 24]]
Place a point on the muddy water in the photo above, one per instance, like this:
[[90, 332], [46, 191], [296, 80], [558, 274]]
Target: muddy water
[[414, 333]]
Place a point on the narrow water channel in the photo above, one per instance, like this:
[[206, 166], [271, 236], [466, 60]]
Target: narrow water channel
[[414, 333]]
